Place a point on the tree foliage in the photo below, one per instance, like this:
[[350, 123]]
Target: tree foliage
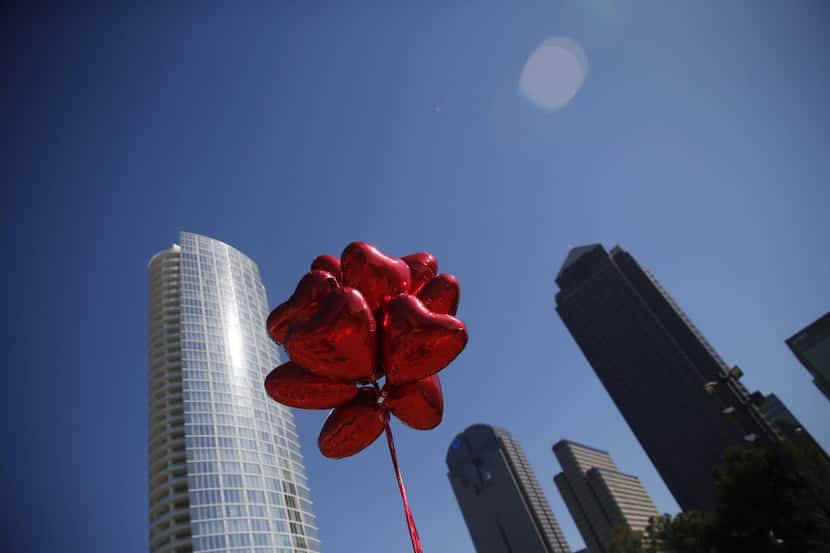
[[625, 540], [773, 499], [688, 532]]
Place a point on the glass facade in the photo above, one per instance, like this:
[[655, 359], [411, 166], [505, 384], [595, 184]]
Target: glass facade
[[812, 348], [246, 488], [780, 415]]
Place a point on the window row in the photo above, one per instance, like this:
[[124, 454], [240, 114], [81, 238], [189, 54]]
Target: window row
[[217, 497], [225, 419], [200, 481], [260, 407], [240, 540], [232, 443], [273, 513], [251, 474]]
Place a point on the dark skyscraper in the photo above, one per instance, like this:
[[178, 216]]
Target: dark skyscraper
[[501, 500], [812, 347], [657, 367]]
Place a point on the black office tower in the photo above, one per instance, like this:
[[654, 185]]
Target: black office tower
[[683, 403]]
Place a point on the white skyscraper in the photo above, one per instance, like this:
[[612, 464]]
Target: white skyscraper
[[226, 472]]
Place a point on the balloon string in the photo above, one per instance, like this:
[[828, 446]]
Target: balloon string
[[410, 522]]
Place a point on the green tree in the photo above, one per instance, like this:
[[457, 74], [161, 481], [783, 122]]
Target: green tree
[[625, 540], [774, 498], [688, 532]]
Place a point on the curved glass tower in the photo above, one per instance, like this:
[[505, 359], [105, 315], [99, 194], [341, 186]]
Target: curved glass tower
[[226, 472]]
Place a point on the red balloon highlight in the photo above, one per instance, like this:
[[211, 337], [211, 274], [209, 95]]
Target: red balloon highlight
[[417, 342], [302, 304], [418, 404], [292, 385], [376, 275], [340, 340], [329, 264], [423, 267], [353, 427], [441, 294]]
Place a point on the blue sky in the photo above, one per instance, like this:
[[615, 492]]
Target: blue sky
[[698, 142]]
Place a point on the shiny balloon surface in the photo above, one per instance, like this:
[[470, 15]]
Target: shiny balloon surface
[[417, 342], [418, 404], [423, 267], [351, 428], [302, 304], [292, 385], [441, 294], [376, 275], [353, 322], [340, 340], [329, 264]]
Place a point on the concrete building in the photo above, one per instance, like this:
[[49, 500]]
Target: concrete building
[[226, 472], [657, 367], [599, 497], [811, 346], [501, 500]]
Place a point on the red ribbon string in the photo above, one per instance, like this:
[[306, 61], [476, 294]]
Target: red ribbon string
[[410, 522]]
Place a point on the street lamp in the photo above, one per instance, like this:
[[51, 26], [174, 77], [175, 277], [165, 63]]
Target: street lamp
[[735, 373], [755, 398]]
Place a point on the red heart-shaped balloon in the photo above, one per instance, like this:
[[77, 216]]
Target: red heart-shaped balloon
[[340, 340], [327, 263], [418, 404], [441, 294], [423, 267], [352, 427], [417, 342], [292, 385], [376, 275], [301, 305]]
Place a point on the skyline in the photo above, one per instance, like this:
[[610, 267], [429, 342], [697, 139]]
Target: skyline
[[697, 141], [656, 366], [598, 495]]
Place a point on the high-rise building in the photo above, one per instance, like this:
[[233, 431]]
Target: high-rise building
[[683, 403], [811, 346], [598, 495], [502, 503], [780, 415], [226, 473]]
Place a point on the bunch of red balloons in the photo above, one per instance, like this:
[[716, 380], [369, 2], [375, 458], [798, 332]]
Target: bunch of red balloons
[[353, 321]]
